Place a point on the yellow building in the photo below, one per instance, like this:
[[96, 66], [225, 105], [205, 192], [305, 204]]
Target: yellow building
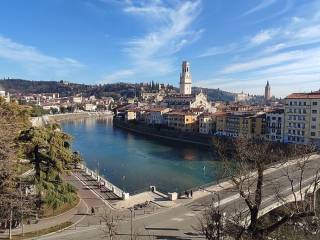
[[247, 125], [131, 114], [182, 121]]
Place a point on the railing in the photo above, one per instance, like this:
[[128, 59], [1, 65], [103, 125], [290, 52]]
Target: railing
[[117, 191]]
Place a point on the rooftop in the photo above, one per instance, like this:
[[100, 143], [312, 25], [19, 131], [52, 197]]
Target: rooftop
[[312, 95]]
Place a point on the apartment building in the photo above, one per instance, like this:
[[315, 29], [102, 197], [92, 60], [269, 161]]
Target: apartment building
[[155, 115], [275, 125], [302, 118], [247, 125], [182, 121], [207, 123]]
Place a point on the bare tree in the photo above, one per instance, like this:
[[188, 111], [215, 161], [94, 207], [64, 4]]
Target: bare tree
[[245, 163], [212, 221], [110, 225]]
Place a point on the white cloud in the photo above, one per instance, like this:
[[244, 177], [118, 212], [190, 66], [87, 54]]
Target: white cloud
[[265, 61], [213, 51], [118, 75], [34, 60], [153, 53], [262, 5], [263, 36]]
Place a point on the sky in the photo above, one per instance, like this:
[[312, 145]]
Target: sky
[[234, 45]]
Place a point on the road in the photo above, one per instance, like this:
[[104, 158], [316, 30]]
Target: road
[[182, 221]]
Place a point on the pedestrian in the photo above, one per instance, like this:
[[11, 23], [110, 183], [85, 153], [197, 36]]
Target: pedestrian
[[187, 194], [92, 211], [191, 193]]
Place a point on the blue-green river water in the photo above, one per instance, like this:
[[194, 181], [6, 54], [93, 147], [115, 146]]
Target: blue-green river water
[[134, 162]]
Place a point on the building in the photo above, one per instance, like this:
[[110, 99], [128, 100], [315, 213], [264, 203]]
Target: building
[[302, 118], [275, 125], [182, 121], [179, 101], [4, 95], [90, 107], [185, 79], [207, 123], [242, 97], [77, 99], [131, 114], [267, 92], [155, 115], [246, 125]]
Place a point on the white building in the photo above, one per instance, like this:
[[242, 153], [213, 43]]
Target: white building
[[242, 97], [155, 115], [4, 95], [206, 124], [302, 121], [275, 125], [77, 99], [185, 79], [90, 107], [179, 101]]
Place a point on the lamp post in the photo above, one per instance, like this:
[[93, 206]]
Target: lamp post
[[131, 223]]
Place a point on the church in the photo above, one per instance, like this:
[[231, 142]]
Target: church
[[185, 99]]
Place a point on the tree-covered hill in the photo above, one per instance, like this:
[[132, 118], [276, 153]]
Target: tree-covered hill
[[114, 90]]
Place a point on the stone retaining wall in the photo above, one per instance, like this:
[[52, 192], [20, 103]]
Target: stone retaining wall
[[164, 133]]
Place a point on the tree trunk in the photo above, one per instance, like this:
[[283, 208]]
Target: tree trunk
[[37, 161]]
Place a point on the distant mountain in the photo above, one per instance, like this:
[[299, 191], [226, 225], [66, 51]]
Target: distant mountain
[[66, 89], [115, 90]]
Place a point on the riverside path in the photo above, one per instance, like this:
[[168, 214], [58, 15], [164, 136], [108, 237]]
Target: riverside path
[[180, 221]]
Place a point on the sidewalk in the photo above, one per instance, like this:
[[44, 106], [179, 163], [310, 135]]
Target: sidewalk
[[74, 215]]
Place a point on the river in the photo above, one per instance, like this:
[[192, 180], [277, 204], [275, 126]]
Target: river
[[133, 162]]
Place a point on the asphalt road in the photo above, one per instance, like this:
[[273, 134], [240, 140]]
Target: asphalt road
[[182, 221]]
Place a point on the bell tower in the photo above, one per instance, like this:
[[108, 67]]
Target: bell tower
[[185, 79]]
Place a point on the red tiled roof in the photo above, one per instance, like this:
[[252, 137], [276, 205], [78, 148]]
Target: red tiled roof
[[312, 95], [156, 109]]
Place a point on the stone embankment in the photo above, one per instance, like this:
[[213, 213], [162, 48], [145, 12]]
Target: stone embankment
[[164, 133], [45, 119]]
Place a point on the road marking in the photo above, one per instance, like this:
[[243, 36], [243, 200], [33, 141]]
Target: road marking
[[190, 214], [177, 219]]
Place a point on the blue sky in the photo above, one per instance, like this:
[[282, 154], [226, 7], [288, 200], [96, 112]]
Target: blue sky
[[234, 45]]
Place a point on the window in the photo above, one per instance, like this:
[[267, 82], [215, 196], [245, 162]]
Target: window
[[314, 103], [314, 119], [313, 127], [314, 111], [313, 134]]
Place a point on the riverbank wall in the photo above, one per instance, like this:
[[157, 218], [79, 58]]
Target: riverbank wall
[[47, 119], [164, 133]]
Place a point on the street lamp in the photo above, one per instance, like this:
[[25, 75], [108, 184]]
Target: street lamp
[[131, 222]]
